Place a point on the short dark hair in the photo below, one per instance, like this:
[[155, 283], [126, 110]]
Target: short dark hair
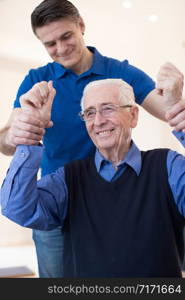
[[52, 10]]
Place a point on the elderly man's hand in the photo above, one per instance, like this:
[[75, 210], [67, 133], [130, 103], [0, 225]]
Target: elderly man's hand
[[39, 101], [26, 124], [170, 85]]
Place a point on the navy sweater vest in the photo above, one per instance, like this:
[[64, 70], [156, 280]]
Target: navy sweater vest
[[127, 228]]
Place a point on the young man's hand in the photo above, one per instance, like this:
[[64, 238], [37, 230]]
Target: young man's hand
[[23, 128]]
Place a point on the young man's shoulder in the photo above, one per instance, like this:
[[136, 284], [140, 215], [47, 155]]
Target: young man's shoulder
[[44, 71]]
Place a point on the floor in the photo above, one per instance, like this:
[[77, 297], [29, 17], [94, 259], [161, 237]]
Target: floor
[[19, 257]]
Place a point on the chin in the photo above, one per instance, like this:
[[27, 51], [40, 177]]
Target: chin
[[106, 142], [66, 65], [104, 146]]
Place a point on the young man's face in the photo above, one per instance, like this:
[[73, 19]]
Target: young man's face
[[63, 40]]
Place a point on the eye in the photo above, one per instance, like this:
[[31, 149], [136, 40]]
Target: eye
[[108, 109], [67, 36], [50, 45], [90, 113]]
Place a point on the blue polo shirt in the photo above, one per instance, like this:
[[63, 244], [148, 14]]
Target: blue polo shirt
[[67, 140]]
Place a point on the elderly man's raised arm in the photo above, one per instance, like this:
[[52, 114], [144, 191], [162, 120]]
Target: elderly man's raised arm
[[23, 200], [41, 205]]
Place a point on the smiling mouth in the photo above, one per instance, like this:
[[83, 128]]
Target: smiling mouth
[[105, 132], [66, 56]]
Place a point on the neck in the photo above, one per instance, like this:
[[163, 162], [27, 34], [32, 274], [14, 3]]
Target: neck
[[115, 156], [85, 63]]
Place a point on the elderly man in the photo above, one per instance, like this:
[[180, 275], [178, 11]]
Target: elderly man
[[121, 210]]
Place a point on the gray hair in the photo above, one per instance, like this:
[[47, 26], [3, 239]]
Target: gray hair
[[126, 91]]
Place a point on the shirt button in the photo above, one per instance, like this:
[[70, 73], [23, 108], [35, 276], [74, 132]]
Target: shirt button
[[22, 154], [182, 138]]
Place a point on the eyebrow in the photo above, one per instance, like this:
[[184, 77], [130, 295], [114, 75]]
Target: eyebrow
[[103, 103]]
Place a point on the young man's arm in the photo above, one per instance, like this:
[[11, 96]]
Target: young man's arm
[[26, 124], [165, 102]]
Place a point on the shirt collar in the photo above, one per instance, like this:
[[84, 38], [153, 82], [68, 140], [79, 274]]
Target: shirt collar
[[59, 70], [98, 65], [132, 158]]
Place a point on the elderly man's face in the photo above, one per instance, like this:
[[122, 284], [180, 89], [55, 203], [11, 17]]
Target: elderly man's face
[[113, 132]]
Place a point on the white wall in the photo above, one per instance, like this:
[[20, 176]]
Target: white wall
[[11, 74], [117, 32]]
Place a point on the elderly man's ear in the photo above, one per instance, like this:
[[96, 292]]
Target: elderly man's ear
[[134, 110]]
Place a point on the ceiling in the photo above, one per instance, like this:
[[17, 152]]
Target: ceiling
[[148, 34], [151, 31]]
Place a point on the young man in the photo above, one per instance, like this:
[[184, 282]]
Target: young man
[[122, 210], [59, 27]]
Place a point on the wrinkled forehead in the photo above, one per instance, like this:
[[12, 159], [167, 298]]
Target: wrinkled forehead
[[101, 94]]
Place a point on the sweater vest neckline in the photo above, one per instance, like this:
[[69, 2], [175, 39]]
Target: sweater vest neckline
[[105, 182]]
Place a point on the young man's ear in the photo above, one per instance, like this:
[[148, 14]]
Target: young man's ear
[[82, 25]]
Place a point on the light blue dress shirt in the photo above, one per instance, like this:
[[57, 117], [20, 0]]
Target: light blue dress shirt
[[43, 204]]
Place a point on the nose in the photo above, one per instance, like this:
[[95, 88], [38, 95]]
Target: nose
[[61, 48], [99, 119]]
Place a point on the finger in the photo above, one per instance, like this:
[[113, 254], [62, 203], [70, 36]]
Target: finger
[[31, 99], [24, 129], [17, 135], [52, 93], [169, 77], [27, 135], [50, 84], [170, 71], [25, 141], [172, 78], [175, 110], [43, 90], [174, 122], [36, 96], [30, 119], [32, 111], [180, 126], [161, 85], [170, 67], [49, 125], [29, 128]]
